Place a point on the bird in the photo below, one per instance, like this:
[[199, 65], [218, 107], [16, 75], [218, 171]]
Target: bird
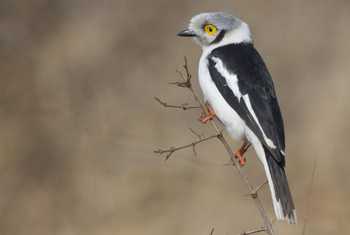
[[238, 90]]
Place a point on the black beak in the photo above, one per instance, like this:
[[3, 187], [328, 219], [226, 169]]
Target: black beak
[[186, 33]]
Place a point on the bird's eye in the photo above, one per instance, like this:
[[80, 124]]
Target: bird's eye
[[210, 29]]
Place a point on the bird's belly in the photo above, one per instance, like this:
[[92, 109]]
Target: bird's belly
[[224, 112], [234, 125]]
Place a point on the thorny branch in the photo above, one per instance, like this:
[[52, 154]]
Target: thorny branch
[[168, 152], [253, 192], [182, 106]]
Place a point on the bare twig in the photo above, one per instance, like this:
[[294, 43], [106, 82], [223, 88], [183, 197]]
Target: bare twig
[[168, 152], [259, 230], [182, 106], [186, 83], [257, 189]]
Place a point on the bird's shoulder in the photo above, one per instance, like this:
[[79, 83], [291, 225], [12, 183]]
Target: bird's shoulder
[[245, 61]]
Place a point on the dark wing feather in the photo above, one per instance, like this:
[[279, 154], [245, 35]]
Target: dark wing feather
[[254, 80]]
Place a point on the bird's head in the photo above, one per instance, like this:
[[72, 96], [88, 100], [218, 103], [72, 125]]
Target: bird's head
[[216, 27]]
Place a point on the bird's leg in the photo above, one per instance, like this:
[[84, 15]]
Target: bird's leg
[[205, 118], [240, 152]]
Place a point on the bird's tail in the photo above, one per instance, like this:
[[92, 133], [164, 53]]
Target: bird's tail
[[281, 197]]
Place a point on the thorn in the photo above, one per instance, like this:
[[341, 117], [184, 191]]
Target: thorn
[[168, 156], [254, 193], [194, 150], [185, 84], [212, 231], [156, 98]]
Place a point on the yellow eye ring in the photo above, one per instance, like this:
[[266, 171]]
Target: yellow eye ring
[[210, 29]]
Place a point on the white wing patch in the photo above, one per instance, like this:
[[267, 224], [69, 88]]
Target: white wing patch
[[249, 106], [232, 82], [231, 79]]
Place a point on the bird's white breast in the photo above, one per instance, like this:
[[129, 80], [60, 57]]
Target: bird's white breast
[[234, 125]]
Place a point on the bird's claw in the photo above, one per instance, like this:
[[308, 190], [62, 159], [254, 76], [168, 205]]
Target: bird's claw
[[241, 159], [240, 152], [206, 118]]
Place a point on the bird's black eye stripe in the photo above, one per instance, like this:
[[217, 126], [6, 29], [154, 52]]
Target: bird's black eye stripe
[[219, 37]]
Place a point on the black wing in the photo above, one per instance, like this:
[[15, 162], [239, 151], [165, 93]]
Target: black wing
[[253, 79]]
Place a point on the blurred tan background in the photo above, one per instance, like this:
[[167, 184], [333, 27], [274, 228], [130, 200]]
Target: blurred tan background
[[78, 123]]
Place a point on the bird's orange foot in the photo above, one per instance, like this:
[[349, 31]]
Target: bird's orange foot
[[240, 152], [205, 118], [241, 159]]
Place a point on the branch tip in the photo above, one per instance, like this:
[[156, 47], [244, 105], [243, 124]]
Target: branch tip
[[184, 106], [259, 230], [212, 231]]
